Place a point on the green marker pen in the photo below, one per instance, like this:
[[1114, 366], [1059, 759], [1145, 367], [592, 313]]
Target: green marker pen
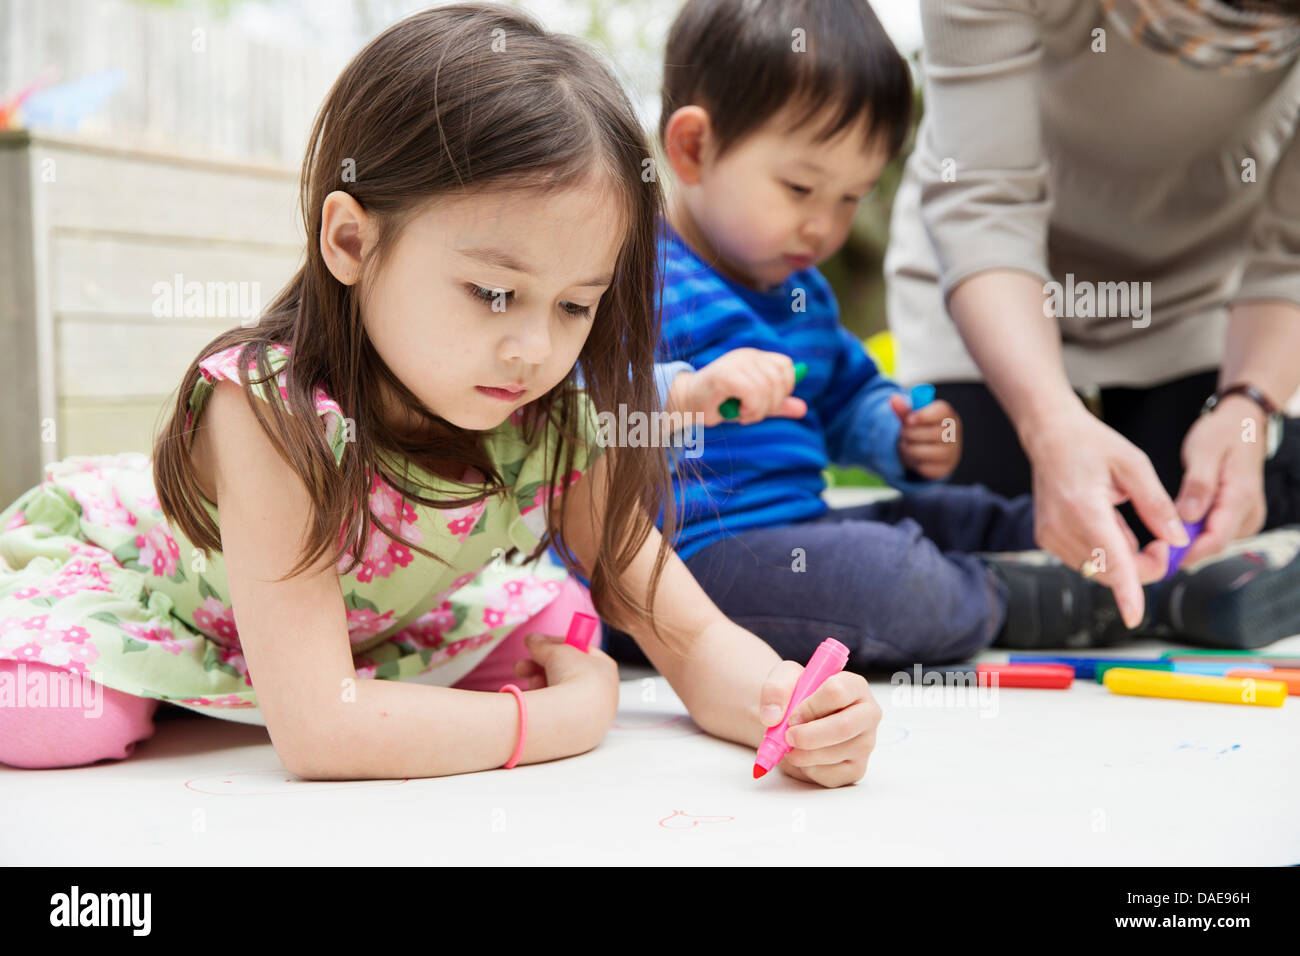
[[730, 409]]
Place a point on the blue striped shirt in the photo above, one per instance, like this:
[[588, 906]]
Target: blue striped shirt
[[770, 472]]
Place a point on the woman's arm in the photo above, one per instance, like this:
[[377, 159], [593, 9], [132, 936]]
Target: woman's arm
[[1224, 452], [323, 721]]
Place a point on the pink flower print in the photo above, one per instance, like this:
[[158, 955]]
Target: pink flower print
[[364, 623], [158, 551], [217, 621], [235, 659], [17, 520], [75, 634], [461, 521], [155, 635], [540, 497], [30, 651], [493, 617], [366, 671], [429, 629], [382, 554], [105, 512], [150, 501], [80, 656], [36, 623]]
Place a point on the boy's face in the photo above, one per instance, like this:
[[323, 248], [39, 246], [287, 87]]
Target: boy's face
[[777, 202]]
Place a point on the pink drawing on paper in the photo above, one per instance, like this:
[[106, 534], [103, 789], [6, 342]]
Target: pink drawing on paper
[[681, 820]]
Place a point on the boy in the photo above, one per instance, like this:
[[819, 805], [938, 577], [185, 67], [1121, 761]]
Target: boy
[[778, 118]]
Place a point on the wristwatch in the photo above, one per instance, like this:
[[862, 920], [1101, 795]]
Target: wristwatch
[[1275, 419]]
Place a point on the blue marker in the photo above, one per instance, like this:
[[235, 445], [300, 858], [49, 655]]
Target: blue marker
[[921, 396], [1085, 668], [1215, 668]]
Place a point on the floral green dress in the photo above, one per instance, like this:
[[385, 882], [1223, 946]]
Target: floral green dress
[[97, 582]]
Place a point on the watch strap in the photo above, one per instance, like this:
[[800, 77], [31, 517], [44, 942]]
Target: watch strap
[[1250, 391]]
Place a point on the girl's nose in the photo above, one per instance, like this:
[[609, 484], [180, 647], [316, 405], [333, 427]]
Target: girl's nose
[[529, 341]]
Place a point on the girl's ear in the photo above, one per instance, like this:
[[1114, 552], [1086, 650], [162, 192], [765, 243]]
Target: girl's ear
[[686, 142], [346, 235]]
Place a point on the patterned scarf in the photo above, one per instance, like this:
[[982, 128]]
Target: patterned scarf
[[1246, 36]]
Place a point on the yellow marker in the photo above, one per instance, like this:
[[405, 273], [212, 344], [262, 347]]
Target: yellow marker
[[1222, 690]]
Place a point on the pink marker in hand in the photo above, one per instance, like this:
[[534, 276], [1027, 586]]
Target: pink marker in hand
[[829, 658], [581, 630]]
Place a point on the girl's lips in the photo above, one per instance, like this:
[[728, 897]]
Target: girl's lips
[[799, 262], [502, 393]]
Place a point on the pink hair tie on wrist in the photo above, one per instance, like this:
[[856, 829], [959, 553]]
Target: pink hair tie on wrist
[[523, 724]]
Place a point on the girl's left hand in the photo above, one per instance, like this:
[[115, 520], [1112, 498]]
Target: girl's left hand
[[833, 731]]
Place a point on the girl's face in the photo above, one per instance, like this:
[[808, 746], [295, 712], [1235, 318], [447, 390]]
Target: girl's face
[[486, 300]]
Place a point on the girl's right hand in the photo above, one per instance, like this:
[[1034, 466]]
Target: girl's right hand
[[592, 676]]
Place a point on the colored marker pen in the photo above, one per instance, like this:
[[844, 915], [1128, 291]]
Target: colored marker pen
[[829, 658], [731, 407], [1176, 553], [921, 396], [581, 630]]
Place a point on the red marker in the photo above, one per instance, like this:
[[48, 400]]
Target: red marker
[[1043, 676], [581, 630], [829, 658]]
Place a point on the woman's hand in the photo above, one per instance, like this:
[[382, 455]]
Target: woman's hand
[[1082, 470], [1223, 478], [833, 731]]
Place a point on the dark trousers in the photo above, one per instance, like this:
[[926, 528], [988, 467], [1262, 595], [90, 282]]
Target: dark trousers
[[1155, 419], [895, 581]]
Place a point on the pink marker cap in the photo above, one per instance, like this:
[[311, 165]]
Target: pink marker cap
[[581, 630]]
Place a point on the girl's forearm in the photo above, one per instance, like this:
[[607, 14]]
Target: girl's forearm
[[1262, 345], [999, 314], [391, 730], [717, 668]]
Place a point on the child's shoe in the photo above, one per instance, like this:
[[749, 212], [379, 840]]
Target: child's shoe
[[1246, 596], [1053, 607]]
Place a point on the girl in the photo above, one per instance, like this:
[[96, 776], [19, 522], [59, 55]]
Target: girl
[[478, 232]]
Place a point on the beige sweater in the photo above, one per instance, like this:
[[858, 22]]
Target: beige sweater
[[1122, 166]]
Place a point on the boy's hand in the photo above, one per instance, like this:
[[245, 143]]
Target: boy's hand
[[761, 380], [930, 441], [833, 731]]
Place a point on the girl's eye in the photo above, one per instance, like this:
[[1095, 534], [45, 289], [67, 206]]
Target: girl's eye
[[490, 295], [799, 190], [572, 308], [852, 198]]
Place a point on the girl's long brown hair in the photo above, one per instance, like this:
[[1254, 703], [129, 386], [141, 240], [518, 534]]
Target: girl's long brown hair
[[465, 97]]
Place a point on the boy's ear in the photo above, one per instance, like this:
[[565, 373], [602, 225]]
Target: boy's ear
[[346, 235], [687, 143]]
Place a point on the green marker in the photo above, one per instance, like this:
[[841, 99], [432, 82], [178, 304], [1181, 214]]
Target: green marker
[[1277, 660], [1100, 672], [730, 409]]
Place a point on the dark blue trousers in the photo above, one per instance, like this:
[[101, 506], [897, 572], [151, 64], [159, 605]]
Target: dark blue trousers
[[895, 581]]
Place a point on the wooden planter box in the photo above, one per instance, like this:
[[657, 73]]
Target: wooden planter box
[[92, 242]]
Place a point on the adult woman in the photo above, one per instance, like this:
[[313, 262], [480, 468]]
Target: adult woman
[[1106, 193]]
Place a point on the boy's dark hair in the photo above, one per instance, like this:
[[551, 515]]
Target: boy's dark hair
[[741, 60]]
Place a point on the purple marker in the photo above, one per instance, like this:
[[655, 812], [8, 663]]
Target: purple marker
[[1176, 553]]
